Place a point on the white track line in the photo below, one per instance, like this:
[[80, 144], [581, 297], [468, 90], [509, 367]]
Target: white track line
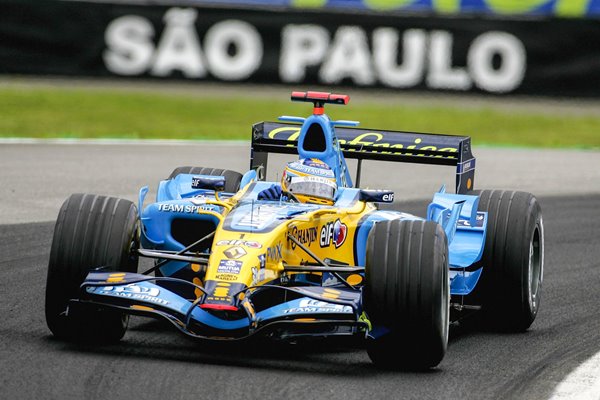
[[581, 384]]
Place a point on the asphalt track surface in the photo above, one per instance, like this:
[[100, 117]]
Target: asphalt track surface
[[154, 362]]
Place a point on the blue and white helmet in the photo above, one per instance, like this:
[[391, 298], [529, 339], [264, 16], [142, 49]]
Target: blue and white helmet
[[310, 180]]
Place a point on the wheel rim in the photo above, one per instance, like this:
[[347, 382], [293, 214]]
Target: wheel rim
[[536, 266], [445, 308]]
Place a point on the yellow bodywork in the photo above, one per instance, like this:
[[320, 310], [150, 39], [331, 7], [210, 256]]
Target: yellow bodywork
[[263, 255]]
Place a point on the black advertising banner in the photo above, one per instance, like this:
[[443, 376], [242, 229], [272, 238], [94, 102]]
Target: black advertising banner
[[457, 54]]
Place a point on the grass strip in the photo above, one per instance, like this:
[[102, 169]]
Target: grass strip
[[80, 113]]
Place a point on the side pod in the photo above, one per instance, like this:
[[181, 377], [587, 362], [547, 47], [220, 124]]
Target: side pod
[[460, 212], [466, 230]]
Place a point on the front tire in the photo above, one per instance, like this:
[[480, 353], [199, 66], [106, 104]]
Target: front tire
[[91, 231], [407, 292]]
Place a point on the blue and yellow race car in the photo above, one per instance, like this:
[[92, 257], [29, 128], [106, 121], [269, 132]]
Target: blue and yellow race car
[[312, 255]]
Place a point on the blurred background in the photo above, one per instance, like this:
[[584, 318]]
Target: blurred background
[[506, 72]]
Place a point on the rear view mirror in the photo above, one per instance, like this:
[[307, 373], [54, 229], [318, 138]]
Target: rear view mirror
[[376, 196], [216, 183]]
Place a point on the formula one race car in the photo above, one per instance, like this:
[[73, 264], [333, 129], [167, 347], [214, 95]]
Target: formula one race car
[[235, 256]]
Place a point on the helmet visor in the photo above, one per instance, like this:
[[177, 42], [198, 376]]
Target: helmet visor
[[313, 186]]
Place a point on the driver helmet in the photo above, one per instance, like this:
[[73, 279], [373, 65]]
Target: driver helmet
[[310, 180]]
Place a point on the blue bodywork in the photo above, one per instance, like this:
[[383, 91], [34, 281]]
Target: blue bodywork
[[331, 154]]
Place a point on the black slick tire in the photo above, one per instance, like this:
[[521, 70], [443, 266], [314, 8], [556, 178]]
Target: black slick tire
[[407, 292], [91, 232], [232, 178], [509, 289]]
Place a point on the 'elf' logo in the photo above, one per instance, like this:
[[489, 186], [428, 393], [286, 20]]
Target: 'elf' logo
[[333, 232]]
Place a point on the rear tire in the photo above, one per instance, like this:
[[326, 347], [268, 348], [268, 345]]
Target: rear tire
[[91, 231], [513, 260], [407, 292], [232, 178]]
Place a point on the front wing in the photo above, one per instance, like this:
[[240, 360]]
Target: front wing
[[316, 311]]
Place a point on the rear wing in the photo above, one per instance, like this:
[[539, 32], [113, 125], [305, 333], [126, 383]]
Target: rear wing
[[373, 144]]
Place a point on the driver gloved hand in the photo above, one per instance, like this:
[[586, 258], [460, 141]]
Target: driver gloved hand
[[271, 193]]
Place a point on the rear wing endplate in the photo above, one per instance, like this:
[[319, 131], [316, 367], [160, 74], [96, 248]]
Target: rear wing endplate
[[372, 144]]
